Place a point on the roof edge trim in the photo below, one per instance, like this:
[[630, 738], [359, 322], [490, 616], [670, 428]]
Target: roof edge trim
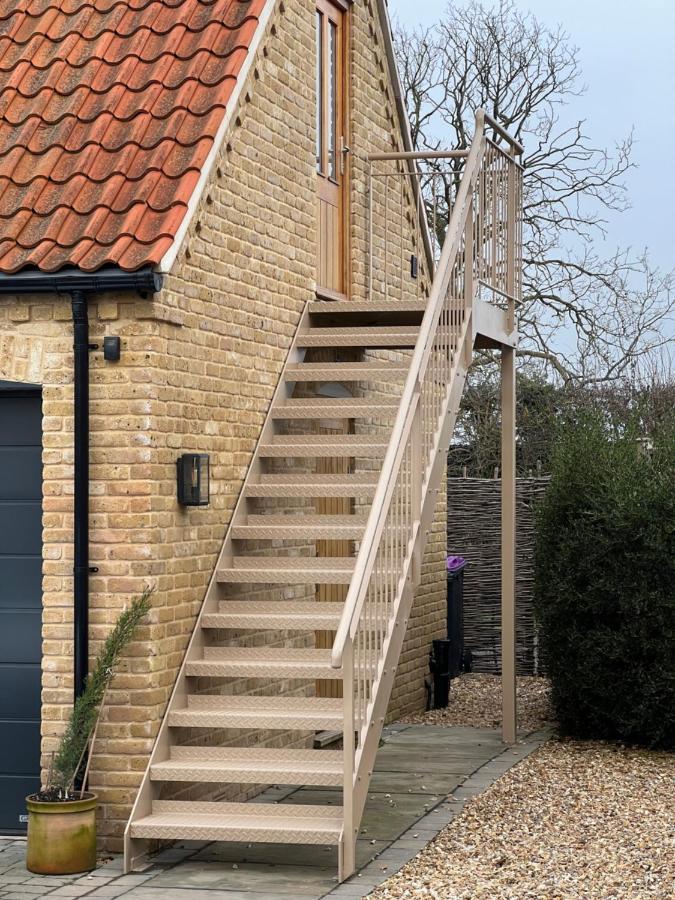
[[168, 260], [67, 280]]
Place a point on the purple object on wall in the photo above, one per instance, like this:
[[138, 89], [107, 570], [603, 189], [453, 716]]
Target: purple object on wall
[[455, 563]]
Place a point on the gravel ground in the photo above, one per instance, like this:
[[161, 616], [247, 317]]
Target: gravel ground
[[574, 820], [476, 700]]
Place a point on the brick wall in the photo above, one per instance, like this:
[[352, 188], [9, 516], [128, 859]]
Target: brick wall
[[199, 366]]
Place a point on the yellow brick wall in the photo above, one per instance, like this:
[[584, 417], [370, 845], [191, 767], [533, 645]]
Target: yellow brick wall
[[199, 366]]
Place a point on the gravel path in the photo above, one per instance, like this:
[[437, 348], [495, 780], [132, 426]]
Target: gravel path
[[476, 700], [574, 820]]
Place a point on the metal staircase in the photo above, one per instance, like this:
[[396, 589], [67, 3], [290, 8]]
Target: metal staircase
[[253, 665]]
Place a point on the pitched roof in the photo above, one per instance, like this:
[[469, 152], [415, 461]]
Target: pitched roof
[[108, 112]]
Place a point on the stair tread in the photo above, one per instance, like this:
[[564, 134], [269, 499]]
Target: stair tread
[[255, 765], [265, 702], [265, 654], [321, 759], [346, 407], [306, 485], [268, 822], [287, 570], [344, 371], [365, 336], [325, 445], [311, 527], [366, 306], [322, 439], [267, 614], [263, 662], [254, 711]]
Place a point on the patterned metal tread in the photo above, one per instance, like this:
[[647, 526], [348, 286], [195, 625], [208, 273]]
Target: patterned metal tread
[[362, 484], [271, 614], [343, 407], [251, 765], [400, 336], [309, 527], [324, 445], [263, 662], [250, 822], [352, 371], [250, 711], [288, 570], [331, 307]]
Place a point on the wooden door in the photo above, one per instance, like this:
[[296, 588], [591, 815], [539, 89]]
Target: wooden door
[[331, 146]]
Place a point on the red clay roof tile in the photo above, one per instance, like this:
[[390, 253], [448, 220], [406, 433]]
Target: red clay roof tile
[[108, 111]]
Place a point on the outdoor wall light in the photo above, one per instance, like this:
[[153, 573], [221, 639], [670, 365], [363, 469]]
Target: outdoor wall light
[[192, 471]]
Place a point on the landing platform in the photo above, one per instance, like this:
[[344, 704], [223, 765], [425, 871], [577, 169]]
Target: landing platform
[[490, 327]]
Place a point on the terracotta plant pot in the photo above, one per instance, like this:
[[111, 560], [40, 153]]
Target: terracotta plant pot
[[61, 836]]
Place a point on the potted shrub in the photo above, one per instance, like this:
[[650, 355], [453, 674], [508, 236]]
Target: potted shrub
[[62, 815]]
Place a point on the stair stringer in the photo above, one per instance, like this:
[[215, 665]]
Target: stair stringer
[[135, 849], [369, 739]]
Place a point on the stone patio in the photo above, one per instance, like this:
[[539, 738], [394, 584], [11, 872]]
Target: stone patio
[[423, 776]]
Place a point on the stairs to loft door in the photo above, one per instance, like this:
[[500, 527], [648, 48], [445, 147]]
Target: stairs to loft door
[[304, 619]]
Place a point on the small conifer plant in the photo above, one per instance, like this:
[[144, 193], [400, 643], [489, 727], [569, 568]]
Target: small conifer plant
[[70, 758]]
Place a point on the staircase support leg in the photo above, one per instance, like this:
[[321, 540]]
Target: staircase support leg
[[508, 398], [347, 850]]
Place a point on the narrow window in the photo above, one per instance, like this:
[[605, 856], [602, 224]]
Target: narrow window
[[332, 100], [319, 92]]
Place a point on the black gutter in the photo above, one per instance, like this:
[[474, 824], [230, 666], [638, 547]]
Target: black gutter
[[68, 280], [81, 286]]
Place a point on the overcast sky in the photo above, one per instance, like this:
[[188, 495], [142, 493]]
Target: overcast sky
[[627, 52]]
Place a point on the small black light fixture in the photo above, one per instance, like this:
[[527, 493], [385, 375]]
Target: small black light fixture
[[111, 348], [413, 266], [192, 471]]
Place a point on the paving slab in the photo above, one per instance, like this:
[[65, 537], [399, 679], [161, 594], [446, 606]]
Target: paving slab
[[302, 881], [437, 783]]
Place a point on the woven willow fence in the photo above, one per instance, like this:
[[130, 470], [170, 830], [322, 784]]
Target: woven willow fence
[[474, 507]]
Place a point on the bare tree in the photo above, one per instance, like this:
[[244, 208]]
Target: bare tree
[[585, 317]]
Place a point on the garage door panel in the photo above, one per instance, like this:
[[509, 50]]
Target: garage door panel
[[20, 638], [13, 807], [20, 529], [19, 423], [20, 473], [20, 602], [21, 582], [20, 693], [20, 748]]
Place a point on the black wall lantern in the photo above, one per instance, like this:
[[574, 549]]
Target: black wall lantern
[[192, 470]]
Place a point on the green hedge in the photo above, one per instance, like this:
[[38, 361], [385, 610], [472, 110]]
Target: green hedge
[[605, 583]]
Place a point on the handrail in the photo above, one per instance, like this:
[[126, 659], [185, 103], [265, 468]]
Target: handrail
[[409, 400], [482, 246], [422, 154], [503, 133]]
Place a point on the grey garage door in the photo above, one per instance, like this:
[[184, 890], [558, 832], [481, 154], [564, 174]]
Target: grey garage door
[[20, 600]]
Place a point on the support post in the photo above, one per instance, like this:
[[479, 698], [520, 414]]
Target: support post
[[347, 860], [508, 391]]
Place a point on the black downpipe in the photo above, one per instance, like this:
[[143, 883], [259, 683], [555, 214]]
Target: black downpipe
[[81, 489]]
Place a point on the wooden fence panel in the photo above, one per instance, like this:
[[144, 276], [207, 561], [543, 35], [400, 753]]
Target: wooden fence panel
[[474, 506]]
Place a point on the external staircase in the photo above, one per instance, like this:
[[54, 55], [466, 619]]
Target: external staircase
[[292, 568]]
